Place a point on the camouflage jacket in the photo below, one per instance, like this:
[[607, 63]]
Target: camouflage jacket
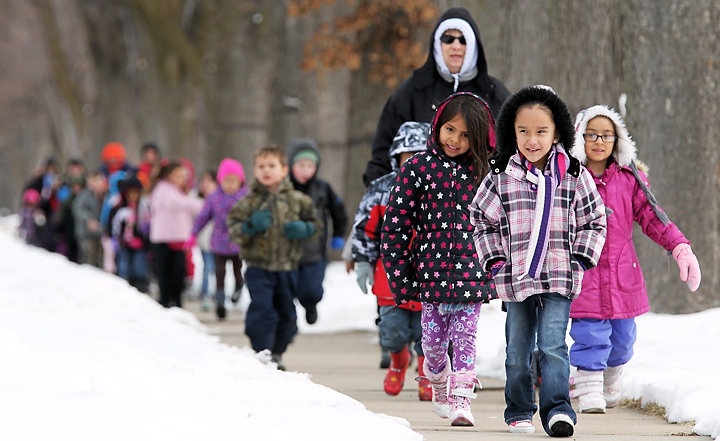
[[271, 250]]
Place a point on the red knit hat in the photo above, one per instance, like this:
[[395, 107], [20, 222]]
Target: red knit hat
[[113, 150]]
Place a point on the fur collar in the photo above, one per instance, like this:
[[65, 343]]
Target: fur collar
[[625, 150]]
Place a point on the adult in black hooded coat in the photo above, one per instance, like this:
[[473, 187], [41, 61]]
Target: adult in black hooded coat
[[417, 97]]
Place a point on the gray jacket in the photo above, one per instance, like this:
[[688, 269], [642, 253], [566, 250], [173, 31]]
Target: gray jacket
[[85, 207]]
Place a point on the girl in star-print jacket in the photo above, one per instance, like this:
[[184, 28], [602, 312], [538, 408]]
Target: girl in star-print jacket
[[440, 268]]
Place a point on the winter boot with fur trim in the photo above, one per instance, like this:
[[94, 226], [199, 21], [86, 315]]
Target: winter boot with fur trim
[[611, 385], [439, 383], [588, 389], [461, 386], [395, 378], [424, 388]]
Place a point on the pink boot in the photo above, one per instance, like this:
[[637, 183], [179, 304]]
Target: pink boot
[[439, 383], [461, 386]]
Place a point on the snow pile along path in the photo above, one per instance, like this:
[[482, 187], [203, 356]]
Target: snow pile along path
[[86, 357]]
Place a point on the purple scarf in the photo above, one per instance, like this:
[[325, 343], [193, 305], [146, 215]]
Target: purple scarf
[[545, 184]]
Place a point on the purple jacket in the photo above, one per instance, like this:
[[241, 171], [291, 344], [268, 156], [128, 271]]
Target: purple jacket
[[216, 208], [615, 289]]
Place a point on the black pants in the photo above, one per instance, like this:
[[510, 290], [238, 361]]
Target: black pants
[[220, 262], [170, 269]]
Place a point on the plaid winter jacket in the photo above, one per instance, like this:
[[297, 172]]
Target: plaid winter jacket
[[431, 196], [502, 213], [271, 250]]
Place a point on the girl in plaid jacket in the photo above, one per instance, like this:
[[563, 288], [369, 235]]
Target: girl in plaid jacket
[[440, 269], [539, 224]]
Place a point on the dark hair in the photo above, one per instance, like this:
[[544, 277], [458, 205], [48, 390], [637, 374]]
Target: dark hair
[[272, 150], [477, 120], [150, 146], [505, 138], [75, 161], [213, 175], [164, 172]]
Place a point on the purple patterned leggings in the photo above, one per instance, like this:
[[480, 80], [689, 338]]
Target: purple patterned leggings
[[438, 329]]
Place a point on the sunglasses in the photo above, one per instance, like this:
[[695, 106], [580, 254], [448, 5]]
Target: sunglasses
[[450, 39]]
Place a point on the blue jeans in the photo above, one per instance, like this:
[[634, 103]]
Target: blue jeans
[[208, 271], [132, 264], [400, 327], [548, 314], [601, 343]]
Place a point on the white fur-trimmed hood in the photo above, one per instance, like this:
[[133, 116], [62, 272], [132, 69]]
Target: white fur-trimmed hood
[[625, 150]]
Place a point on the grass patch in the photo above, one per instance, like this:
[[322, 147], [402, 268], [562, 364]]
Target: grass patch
[[658, 411]]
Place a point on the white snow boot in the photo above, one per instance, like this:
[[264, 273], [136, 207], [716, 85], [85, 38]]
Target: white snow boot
[[611, 385], [439, 383], [461, 386], [588, 389]]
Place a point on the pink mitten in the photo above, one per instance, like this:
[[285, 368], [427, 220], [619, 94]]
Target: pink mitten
[[688, 264], [189, 244]]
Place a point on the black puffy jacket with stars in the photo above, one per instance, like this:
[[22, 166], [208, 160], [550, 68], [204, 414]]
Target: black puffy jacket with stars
[[432, 196]]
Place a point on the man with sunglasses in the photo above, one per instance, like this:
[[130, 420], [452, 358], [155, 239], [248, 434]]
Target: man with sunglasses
[[456, 62]]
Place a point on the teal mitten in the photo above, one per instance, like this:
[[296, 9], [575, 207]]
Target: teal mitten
[[299, 230], [257, 223]]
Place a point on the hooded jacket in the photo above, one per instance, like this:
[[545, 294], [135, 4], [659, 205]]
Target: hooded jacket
[[412, 137], [615, 289], [270, 250], [417, 97], [505, 204], [430, 199], [325, 200]]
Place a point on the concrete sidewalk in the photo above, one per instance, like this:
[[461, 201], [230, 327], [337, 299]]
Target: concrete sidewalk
[[348, 363]]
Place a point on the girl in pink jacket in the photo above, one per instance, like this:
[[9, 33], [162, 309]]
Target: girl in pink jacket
[[171, 220], [614, 293]]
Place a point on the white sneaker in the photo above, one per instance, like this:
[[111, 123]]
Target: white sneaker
[[561, 425], [522, 426]]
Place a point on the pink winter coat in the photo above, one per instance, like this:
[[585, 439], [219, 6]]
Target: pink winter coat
[[171, 213], [615, 288]]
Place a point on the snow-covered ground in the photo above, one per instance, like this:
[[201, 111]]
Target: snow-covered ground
[[85, 357]]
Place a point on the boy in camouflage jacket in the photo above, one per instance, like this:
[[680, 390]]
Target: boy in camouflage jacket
[[270, 224]]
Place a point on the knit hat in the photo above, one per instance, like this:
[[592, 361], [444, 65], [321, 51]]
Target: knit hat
[[306, 154], [31, 196], [230, 167], [113, 150]]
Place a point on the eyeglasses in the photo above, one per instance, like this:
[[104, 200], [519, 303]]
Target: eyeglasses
[[592, 137], [450, 39]]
